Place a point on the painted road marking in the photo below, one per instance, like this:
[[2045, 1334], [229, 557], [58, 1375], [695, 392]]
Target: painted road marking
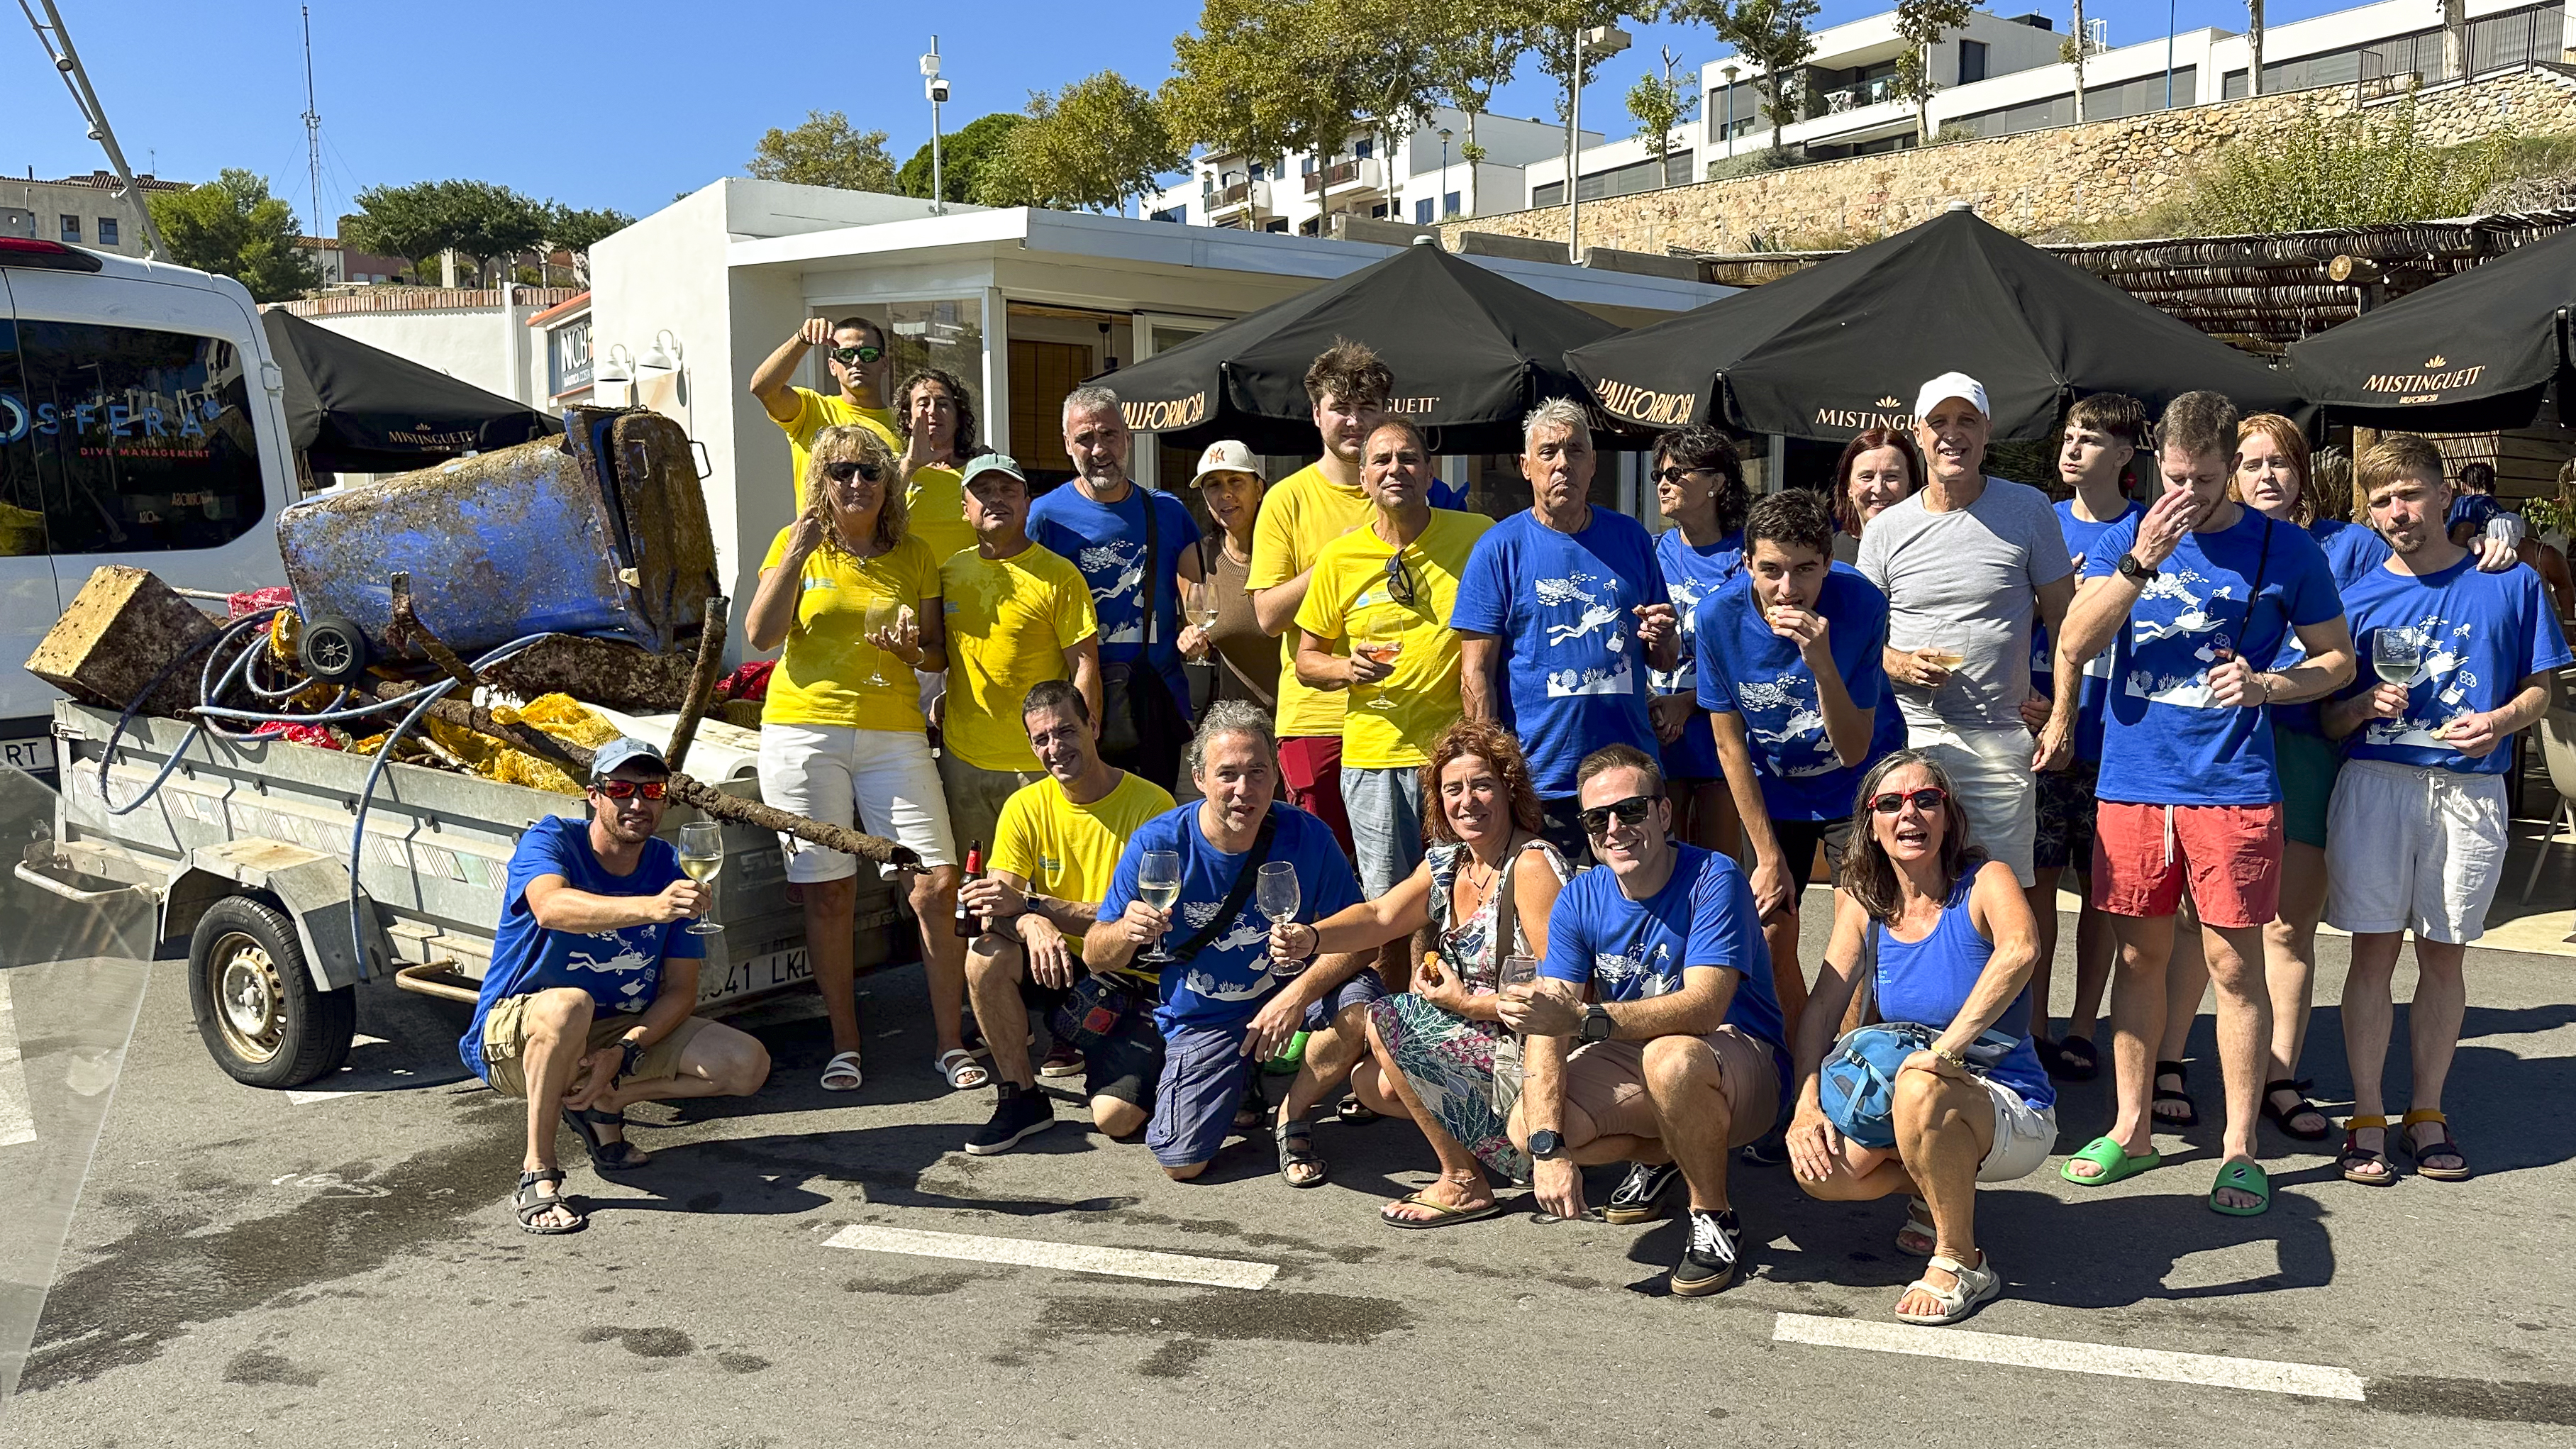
[[17, 1114], [1070, 1257], [348, 1081], [2255, 1374]]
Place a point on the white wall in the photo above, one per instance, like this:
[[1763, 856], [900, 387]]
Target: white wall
[[471, 344]]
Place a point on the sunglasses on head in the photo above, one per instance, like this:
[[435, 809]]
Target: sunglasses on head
[[623, 789], [864, 352], [848, 468], [1928, 798], [1399, 579], [1631, 811]]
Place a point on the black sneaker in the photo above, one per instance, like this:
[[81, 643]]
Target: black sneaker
[[1769, 1150], [1639, 1197], [1708, 1262], [1016, 1116]]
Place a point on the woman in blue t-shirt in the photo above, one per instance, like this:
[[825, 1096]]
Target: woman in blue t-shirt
[[1938, 935], [1699, 489]]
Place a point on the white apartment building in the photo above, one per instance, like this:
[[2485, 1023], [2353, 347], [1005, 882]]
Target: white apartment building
[[1420, 178]]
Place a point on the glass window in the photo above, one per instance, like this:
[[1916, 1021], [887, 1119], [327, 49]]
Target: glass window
[[1972, 62], [1449, 204], [71, 228], [1422, 211], [1360, 152], [107, 231], [135, 441]]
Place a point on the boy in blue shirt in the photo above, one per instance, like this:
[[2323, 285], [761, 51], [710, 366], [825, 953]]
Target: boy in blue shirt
[[586, 1005], [1679, 1060], [2416, 832]]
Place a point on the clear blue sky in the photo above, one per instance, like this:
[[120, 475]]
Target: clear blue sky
[[627, 105]]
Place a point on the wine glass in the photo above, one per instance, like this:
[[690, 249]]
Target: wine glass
[[701, 856], [2397, 656], [1203, 606], [1381, 640], [1158, 884], [880, 618], [1275, 891]]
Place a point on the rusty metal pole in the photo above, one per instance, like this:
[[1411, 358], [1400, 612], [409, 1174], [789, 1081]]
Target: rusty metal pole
[[702, 679]]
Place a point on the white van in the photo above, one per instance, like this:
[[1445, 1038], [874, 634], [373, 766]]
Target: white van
[[141, 422]]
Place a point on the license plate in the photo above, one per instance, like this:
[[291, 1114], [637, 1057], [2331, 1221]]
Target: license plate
[[35, 755]]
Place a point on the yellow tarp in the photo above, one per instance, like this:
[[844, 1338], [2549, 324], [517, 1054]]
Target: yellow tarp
[[559, 715]]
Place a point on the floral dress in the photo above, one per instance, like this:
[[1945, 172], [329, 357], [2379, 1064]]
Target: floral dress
[[1448, 1059]]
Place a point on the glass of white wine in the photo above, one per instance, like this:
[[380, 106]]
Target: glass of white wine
[[1275, 891], [2397, 656], [1158, 884], [701, 856]]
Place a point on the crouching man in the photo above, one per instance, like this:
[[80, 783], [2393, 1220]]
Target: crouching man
[[594, 973]]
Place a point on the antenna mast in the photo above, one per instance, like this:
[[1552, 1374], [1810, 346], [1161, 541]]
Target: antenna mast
[[312, 129], [58, 45]]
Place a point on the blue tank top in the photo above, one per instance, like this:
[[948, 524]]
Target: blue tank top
[[1928, 981]]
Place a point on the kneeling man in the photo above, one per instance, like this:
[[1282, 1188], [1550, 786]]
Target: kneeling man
[[594, 973], [1679, 1061]]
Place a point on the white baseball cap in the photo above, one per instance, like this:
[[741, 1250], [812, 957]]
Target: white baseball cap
[[1949, 385], [1224, 456]]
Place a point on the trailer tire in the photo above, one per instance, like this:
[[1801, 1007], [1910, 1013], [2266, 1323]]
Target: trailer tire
[[262, 1018]]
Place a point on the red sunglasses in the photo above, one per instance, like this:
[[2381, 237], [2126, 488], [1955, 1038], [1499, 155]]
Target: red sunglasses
[[1927, 799], [621, 789]]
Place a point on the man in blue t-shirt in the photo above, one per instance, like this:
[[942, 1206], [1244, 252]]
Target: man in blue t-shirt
[[1106, 525], [1791, 655], [1678, 1060], [1561, 613], [1227, 1007], [585, 1007], [2416, 833], [2197, 597]]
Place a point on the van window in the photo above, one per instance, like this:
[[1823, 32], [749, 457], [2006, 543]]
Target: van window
[[128, 440]]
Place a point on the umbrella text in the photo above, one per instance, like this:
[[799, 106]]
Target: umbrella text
[[2423, 387], [1665, 409], [1155, 417]]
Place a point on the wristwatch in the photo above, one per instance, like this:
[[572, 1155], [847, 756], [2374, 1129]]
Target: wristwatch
[[1955, 1059], [630, 1052], [2130, 568], [1547, 1144], [1596, 1023]]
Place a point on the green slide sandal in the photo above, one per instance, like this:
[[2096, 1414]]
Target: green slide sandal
[[2244, 1177], [2114, 1161]]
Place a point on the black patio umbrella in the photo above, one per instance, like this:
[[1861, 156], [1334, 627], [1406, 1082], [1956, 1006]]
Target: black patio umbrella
[[2473, 351], [1842, 346], [351, 408], [1471, 352]]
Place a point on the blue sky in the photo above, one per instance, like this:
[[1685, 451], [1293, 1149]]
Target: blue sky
[[624, 108]]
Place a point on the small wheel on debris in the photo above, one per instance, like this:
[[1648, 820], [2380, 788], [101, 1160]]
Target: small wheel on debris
[[262, 1018], [332, 649]]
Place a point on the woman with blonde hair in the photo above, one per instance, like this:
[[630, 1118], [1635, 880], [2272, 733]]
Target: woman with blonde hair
[[854, 598]]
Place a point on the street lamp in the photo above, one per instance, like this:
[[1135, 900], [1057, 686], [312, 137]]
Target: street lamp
[[1728, 71], [1604, 41], [935, 86], [1441, 207]]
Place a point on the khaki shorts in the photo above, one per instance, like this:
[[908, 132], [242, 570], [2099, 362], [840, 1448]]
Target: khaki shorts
[[505, 1039], [1606, 1080]]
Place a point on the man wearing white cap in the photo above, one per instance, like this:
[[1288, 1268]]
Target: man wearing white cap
[[1966, 563]]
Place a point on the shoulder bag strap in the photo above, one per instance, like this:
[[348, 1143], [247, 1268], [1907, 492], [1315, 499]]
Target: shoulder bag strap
[[1234, 899], [1507, 909], [1152, 592]]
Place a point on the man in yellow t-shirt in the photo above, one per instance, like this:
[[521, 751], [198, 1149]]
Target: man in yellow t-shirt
[[937, 420], [858, 364], [1301, 513], [1018, 615], [1054, 851], [1375, 627]]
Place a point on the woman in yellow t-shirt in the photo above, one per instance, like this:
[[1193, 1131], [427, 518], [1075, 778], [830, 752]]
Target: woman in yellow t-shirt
[[855, 600]]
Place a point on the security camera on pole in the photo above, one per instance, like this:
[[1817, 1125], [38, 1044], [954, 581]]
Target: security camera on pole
[[935, 86]]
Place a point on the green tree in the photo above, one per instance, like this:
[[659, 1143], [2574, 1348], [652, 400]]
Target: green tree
[[1475, 50], [963, 156], [572, 230], [232, 227], [1090, 146], [1920, 24], [481, 220], [2352, 170], [826, 150], [1772, 38], [1269, 77], [1659, 103]]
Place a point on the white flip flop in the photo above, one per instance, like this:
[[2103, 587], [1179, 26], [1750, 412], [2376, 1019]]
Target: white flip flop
[[843, 1069]]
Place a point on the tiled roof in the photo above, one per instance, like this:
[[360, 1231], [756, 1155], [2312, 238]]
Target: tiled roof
[[107, 181]]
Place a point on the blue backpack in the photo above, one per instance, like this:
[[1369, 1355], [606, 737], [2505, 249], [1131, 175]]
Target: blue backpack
[[1857, 1084]]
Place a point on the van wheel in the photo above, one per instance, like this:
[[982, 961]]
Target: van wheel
[[262, 1018]]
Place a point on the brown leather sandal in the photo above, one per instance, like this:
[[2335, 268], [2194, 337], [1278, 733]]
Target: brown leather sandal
[[2355, 1158], [2449, 1147]]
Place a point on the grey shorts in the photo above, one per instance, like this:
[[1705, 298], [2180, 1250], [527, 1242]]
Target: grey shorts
[[1385, 808], [975, 798], [1205, 1071]]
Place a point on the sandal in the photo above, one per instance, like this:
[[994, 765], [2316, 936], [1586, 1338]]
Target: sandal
[[1355, 1112], [2355, 1158], [1291, 1156], [1917, 1239], [2112, 1158], [2449, 1146], [607, 1156], [842, 1073], [1449, 1216], [963, 1072], [2243, 1176], [1253, 1110], [2190, 1116], [2077, 1059], [2281, 1116], [538, 1193], [1976, 1285]]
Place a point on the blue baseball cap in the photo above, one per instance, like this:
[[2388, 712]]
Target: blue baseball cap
[[625, 750]]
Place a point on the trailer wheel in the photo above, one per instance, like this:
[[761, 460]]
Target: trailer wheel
[[262, 1018]]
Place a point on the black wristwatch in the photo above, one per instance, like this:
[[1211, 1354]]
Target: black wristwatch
[[1596, 1023], [629, 1054], [1546, 1144], [2130, 568]]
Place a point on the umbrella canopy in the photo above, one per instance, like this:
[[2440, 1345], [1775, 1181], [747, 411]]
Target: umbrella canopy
[[1842, 346], [351, 408], [1471, 352], [2470, 352]]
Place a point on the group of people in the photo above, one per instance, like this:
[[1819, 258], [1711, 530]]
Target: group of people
[[1472, 794]]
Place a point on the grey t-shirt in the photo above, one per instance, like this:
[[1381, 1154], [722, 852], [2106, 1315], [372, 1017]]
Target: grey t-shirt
[[1966, 579]]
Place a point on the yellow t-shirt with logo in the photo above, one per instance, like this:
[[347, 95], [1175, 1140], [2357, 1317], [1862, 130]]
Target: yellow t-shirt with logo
[[1009, 622], [1299, 515], [829, 674], [1349, 591], [816, 411], [935, 499], [1070, 851]]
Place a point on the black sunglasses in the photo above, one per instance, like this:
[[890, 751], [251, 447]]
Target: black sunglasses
[[1675, 475], [1631, 811], [861, 353], [848, 468], [1927, 799], [1399, 579]]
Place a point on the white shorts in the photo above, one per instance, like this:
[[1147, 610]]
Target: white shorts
[[2414, 848], [880, 781], [2023, 1137], [1997, 791]]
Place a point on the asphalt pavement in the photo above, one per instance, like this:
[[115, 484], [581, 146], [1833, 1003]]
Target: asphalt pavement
[[340, 1267]]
